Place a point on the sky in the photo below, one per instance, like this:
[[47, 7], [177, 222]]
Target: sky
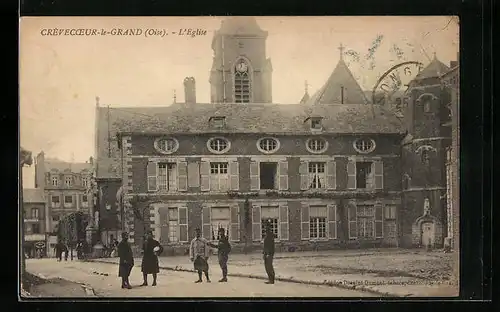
[[61, 76]]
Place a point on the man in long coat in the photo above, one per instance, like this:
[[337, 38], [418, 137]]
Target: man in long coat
[[126, 260], [150, 258], [223, 250], [199, 252], [268, 253]]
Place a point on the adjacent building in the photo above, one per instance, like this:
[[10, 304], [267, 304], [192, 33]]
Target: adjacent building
[[66, 190], [35, 211], [331, 171], [451, 80]]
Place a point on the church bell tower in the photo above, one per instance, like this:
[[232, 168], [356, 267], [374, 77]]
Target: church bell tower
[[241, 73]]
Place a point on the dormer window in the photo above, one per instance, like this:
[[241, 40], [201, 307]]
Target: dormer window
[[315, 123], [218, 122]]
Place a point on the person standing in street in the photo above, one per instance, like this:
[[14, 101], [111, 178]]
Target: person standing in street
[[223, 250], [199, 252], [59, 250], [65, 250], [269, 253], [151, 250], [126, 261]]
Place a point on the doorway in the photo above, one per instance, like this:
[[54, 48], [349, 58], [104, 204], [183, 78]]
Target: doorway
[[428, 234]]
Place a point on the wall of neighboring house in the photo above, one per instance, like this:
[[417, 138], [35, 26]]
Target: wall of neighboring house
[[294, 201], [109, 218], [34, 215], [62, 203]]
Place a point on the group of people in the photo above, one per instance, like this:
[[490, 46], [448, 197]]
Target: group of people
[[199, 253]]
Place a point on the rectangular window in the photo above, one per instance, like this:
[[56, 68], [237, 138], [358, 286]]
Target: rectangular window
[[268, 176], [366, 221], [220, 218], [218, 122], [34, 213], [317, 175], [316, 123], [390, 212], [270, 216], [55, 181], [173, 225], [35, 228], [55, 218], [85, 182], [68, 181], [167, 177], [219, 176], [55, 201], [318, 218], [68, 200], [84, 198], [364, 176]]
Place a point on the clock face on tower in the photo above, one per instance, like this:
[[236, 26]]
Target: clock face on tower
[[241, 67]]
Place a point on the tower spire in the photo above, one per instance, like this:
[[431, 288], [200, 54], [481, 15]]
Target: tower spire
[[306, 87], [97, 101], [175, 96], [341, 49]]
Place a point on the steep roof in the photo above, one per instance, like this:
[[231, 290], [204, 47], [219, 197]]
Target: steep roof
[[435, 69], [33, 195], [331, 92], [286, 119], [58, 165]]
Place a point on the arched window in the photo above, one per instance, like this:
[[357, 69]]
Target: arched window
[[242, 82]]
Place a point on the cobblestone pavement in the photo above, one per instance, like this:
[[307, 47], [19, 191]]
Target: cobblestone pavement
[[395, 272], [103, 278]]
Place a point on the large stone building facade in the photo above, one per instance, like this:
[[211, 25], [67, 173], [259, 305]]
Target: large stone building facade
[[332, 171], [66, 190]]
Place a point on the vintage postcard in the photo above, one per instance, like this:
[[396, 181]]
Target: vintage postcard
[[239, 156]]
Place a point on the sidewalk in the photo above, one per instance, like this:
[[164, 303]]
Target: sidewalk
[[53, 287], [389, 272]]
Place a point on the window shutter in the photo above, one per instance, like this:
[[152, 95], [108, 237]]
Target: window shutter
[[207, 233], [331, 175], [234, 232], [351, 174], [183, 223], [254, 176], [164, 237], [256, 223], [283, 174], [283, 222], [379, 228], [304, 218], [205, 176], [352, 216], [152, 176], [332, 221], [234, 171], [182, 175], [378, 174], [304, 175]]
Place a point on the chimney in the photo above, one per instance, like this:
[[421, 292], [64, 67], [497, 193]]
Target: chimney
[[189, 90]]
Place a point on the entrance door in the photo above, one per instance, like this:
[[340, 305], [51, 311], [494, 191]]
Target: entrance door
[[427, 234]]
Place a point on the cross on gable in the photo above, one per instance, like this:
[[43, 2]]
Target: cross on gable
[[341, 49]]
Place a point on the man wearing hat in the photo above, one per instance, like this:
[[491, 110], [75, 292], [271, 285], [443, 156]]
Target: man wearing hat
[[223, 250], [126, 260], [199, 253], [269, 253], [151, 250]]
